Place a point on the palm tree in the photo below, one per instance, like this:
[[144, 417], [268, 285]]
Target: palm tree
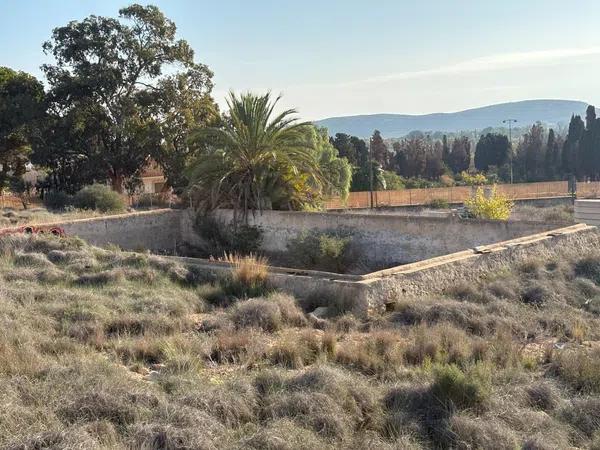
[[255, 154]]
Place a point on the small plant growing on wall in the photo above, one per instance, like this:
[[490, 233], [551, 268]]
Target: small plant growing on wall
[[489, 206], [223, 238], [332, 251]]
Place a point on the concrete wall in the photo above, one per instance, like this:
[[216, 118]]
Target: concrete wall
[[587, 211], [384, 240], [158, 231], [371, 292], [430, 277]]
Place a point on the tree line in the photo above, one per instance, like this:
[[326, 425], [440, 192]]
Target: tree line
[[420, 160], [124, 91]]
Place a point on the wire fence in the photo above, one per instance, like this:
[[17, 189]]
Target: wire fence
[[458, 194]]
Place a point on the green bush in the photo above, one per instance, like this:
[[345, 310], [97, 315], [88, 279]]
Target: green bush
[[331, 251], [99, 197], [469, 389], [57, 200], [223, 238]]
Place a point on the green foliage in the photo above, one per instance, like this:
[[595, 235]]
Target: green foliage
[[493, 149], [493, 206], [259, 160], [57, 200], [460, 157], [224, 238], [330, 251], [21, 105], [463, 389], [336, 171], [99, 197], [473, 179], [184, 103], [110, 105], [393, 181]]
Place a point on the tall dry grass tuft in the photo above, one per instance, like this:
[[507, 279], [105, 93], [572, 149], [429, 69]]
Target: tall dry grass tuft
[[248, 277]]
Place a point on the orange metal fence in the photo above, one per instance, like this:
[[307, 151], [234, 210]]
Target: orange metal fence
[[458, 194]]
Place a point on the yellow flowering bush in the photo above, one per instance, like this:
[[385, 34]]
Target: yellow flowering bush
[[475, 179], [493, 206]]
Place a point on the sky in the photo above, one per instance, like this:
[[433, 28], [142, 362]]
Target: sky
[[345, 57]]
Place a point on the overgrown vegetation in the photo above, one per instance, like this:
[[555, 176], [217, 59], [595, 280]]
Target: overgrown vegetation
[[106, 349], [331, 251], [99, 197], [220, 237], [489, 205]]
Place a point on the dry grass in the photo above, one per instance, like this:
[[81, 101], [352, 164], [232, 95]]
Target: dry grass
[[103, 349], [249, 269], [248, 276]]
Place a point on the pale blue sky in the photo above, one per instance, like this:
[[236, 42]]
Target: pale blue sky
[[341, 57]]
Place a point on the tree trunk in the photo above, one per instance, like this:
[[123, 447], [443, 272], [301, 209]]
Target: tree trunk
[[117, 181]]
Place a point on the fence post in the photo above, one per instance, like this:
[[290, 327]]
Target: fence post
[[410, 196]]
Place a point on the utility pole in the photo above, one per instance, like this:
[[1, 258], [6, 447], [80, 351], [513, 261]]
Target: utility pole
[[371, 170], [510, 122]]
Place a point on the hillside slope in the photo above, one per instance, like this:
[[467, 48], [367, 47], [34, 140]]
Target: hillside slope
[[397, 125]]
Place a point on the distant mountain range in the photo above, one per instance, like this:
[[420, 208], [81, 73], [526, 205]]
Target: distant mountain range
[[551, 112]]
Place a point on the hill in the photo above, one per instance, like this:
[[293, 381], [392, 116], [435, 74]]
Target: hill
[[397, 125]]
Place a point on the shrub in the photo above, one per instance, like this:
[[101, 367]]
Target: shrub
[[535, 295], [579, 368], [257, 313], [476, 179], [223, 237], [57, 200], [331, 251], [493, 206], [248, 276], [470, 389], [291, 314], [99, 197], [584, 413], [542, 396], [588, 267]]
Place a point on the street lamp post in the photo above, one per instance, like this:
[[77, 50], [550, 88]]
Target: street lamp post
[[371, 170], [510, 122]]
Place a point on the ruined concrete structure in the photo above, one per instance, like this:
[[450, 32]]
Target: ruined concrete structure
[[432, 252]]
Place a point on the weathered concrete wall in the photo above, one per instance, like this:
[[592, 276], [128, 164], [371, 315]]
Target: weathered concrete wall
[[158, 231], [587, 211], [371, 292], [430, 277], [383, 240]]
